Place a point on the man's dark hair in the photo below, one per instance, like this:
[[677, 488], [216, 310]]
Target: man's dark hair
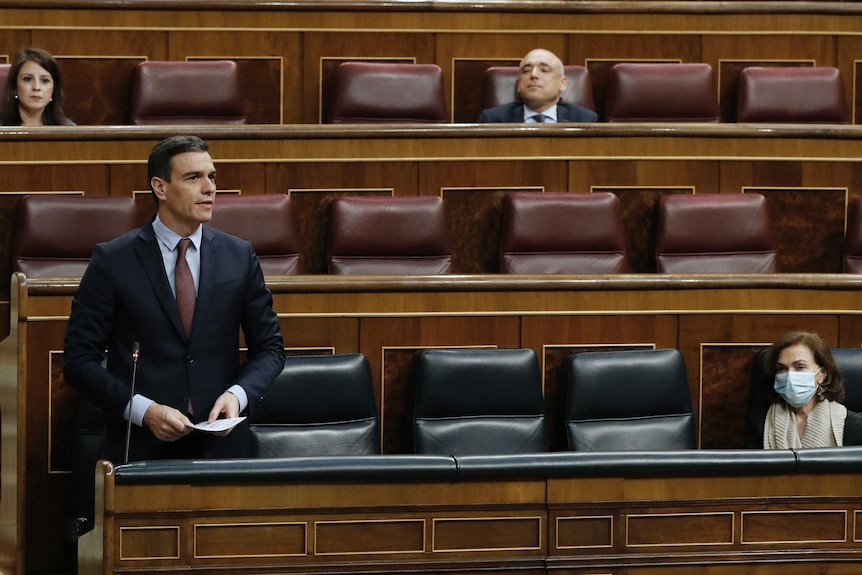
[[160, 162]]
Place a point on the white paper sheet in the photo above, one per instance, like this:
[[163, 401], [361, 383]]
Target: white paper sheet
[[218, 424]]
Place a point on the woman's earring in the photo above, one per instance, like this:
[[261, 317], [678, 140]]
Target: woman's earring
[[16, 96], [820, 392]]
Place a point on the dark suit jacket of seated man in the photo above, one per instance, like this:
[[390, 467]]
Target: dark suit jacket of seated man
[[541, 81], [188, 369], [513, 113]]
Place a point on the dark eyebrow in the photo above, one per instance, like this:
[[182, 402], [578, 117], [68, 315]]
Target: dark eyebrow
[[197, 173]]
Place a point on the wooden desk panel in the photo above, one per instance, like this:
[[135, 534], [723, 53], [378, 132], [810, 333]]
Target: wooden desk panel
[[718, 322], [565, 523], [801, 170]]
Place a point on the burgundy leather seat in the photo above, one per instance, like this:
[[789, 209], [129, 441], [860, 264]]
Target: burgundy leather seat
[[187, 92], [715, 233], [562, 233], [853, 238], [388, 92], [55, 234], [796, 94], [661, 92], [265, 221], [501, 86], [386, 235]]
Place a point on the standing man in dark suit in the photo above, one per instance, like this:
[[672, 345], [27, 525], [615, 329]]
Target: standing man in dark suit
[[188, 369], [541, 82]]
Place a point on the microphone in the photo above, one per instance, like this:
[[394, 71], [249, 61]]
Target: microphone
[[136, 352]]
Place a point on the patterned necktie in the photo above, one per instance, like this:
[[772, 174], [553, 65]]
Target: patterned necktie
[[539, 118], [185, 285]]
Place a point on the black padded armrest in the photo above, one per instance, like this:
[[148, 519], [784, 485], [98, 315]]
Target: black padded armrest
[[576, 464], [287, 470], [829, 460]]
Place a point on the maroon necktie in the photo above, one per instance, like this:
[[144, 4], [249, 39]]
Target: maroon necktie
[[185, 285]]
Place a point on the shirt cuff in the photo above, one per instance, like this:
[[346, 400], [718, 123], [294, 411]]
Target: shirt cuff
[[139, 406], [241, 395]]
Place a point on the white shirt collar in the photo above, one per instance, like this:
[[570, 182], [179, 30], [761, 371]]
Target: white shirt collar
[[170, 238], [550, 113]]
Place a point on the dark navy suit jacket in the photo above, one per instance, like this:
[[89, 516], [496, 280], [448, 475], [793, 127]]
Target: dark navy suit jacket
[[125, 297], [513, 113]]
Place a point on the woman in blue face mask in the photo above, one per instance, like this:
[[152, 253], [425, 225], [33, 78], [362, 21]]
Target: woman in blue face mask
[[806, 411]]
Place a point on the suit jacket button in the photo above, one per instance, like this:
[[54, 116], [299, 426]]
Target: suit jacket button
[[190, 359]]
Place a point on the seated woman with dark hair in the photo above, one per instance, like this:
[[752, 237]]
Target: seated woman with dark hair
[[34, 90], [806, 411]]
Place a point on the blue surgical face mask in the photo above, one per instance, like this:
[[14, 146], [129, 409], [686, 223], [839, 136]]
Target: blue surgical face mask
[[796, 387]]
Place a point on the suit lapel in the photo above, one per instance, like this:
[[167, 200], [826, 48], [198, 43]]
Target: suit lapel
[[151, 258], [517, 114], [562, 112]]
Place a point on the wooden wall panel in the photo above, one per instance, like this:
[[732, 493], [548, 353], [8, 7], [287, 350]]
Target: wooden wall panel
[[290, 175], [113, 43], [46, 417], [801, 214], [11, 42], [699, 175], [739, 175], [850, 335], [98, 90], [313, 335], [440, 177], [848, 59]]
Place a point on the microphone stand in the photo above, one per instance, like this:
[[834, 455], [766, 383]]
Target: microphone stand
[[136, 351]]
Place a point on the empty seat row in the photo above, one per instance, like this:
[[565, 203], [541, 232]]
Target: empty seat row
[[182, 92], [470, 401], [635, 92], [583, 233], [55, 234], [479, 401], [208, 92], [542, 233]]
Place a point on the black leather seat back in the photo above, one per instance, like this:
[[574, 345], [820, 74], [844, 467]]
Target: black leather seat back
[[849, 360], [478, 402], [319, 405], [629, 400]]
